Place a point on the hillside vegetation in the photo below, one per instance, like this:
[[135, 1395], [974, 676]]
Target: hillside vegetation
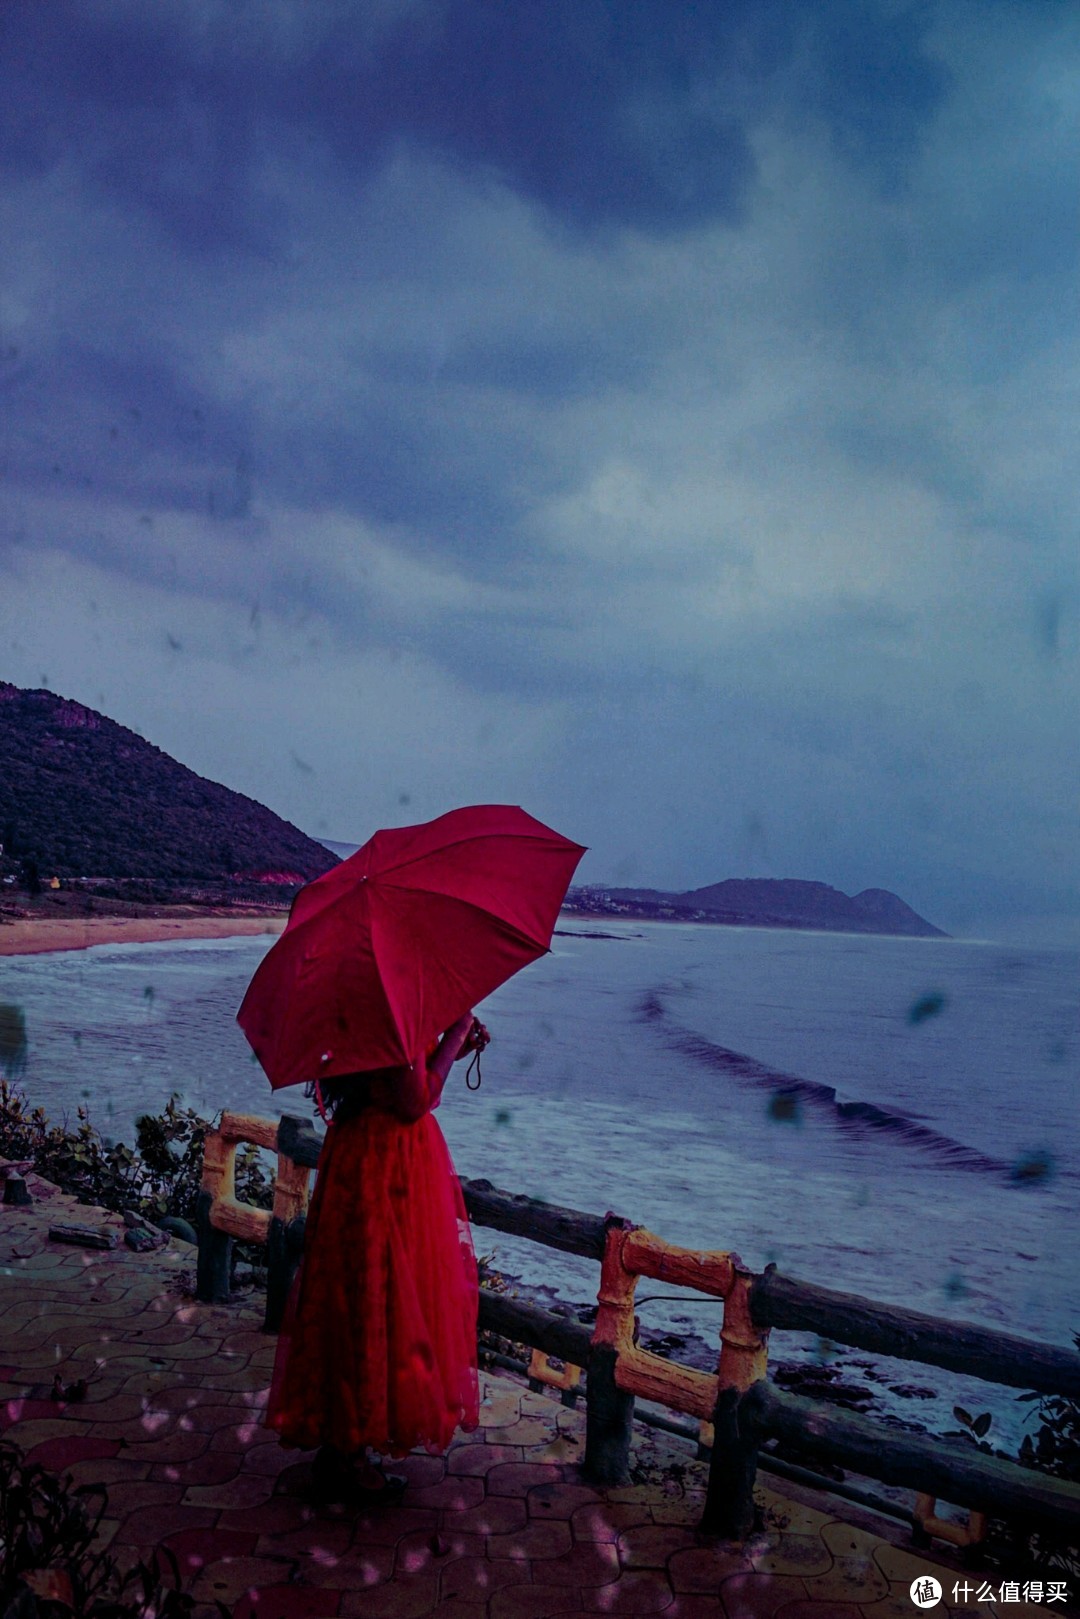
[[81, 796]]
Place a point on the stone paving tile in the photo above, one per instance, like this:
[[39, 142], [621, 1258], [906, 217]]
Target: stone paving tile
[[239, 1414], [121, 1470], [385, 1526], [608, 1522], [475, 1579], [275, 1516], [499, 1410], [431, 1550], [36, 1430], [811, 1609], [244, 1490], [139, 1495], [199, 1548], [407, 1598], [288, 1602], [148, 1526], [326, 1540], [897, 1605], [644, 1590], [703, 1569], [561, 1499], [420, 1471], [651, 1545], [898, 1564], [559, 1447], [762, 1596], [525, 1431], [205, 1469], [176, 1447], [535, 1542], [534, 1601], [851, 1579], [498, 1516], [239, 1382], [115, 1408], [675, 1506], [355, 1570], [477, 1459], [517, 1478], [456, 1608], [228, 1580], [63, 1452], [44, 1359], [457, 1494], [586, 1565], [802, 1555], [630, 1494], [845, 1540]]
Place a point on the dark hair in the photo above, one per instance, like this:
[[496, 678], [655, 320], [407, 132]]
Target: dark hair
[[345, 1095]]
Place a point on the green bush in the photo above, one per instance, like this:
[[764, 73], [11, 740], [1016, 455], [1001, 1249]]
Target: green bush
[[49, 1568], [159, 1176]]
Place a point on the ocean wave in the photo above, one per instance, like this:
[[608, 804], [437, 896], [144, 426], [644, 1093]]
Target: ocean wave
[[860, 1118]]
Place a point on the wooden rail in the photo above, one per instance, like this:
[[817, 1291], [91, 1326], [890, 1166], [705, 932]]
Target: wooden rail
[[996, 1357], [736, 1407], [222, 1218]]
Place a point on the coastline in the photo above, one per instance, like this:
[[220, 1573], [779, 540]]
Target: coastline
[[33, 936]]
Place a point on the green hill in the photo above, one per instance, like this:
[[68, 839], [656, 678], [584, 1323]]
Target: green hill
[[81, 796]]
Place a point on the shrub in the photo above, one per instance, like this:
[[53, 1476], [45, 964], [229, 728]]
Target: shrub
[[49, 1568], [161, 1175]]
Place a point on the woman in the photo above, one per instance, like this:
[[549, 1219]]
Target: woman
[[378, 1350]]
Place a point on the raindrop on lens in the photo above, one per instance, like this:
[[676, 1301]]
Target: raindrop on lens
[[927, 1006]]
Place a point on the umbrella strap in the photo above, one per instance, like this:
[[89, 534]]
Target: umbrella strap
[[319, 1102], [468, 1072]]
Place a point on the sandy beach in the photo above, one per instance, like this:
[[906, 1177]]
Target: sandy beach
[[36, 935]]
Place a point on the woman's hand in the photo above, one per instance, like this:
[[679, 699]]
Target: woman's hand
[[477, 1039]]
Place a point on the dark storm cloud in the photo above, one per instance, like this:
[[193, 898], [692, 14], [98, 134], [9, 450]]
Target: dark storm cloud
[[177, 113], [628, 115]]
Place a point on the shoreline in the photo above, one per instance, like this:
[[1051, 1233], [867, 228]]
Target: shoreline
[[32, 936]]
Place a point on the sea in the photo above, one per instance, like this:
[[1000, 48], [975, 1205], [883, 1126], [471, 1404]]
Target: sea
[[889, 1117]]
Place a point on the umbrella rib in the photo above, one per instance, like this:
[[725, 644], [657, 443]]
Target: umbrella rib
[[472, 837], [482, 910]]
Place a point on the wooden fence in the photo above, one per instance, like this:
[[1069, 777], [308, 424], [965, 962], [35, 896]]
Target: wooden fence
[[736, 1407]]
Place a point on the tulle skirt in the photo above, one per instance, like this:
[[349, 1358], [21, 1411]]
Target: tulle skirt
[[378, 1347]]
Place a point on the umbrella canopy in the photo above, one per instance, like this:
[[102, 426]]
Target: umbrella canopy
[[390, 947]]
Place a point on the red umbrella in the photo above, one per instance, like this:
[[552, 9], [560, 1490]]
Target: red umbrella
[[390, 947]]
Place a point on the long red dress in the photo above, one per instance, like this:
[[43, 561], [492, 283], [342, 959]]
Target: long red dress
[[379, 1343]]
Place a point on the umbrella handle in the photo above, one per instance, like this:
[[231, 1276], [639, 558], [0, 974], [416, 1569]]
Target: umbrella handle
[[468, 1072]]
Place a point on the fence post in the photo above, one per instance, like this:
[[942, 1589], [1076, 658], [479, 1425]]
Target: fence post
[[285, 1237], [284, 1248], [744, 1349], [609, 1410], [215, 1247]]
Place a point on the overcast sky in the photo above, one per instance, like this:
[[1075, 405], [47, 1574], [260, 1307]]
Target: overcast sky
[[659, 414]]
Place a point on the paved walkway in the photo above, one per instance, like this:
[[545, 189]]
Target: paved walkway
[[500, 1528]]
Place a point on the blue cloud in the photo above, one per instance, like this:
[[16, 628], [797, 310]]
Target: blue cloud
[[632, 115]]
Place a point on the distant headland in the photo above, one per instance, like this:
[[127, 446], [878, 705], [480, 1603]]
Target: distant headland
[[761, 902]]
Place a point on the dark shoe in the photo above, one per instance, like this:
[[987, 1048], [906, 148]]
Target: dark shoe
[[389, 1490], [332, 1477], [334, 1480]]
